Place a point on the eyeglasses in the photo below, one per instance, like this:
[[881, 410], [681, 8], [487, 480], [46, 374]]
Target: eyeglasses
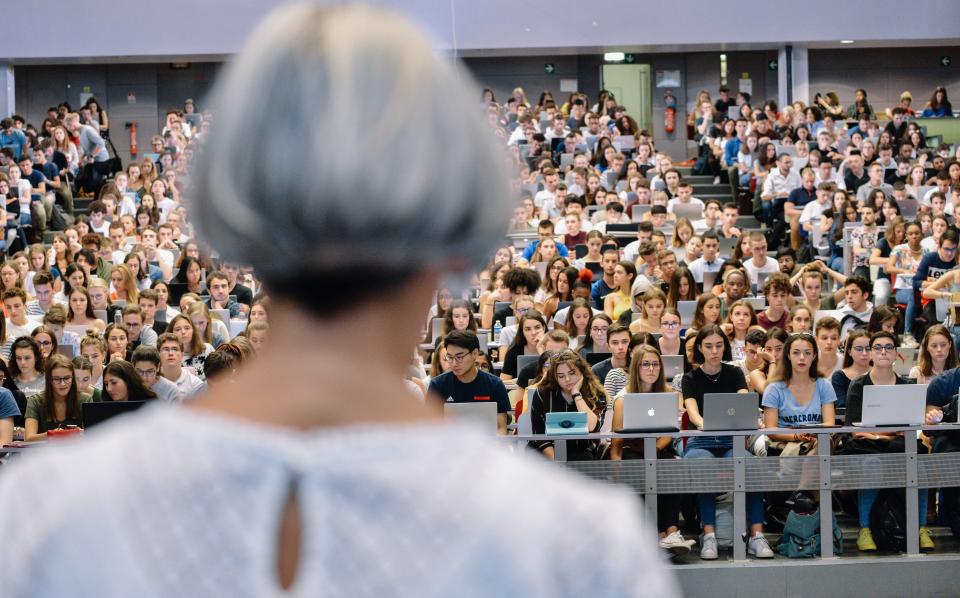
[[599, 328], [670, 324], [649, 365], [147, 373], [61, 380], [45, 343], [884, 348], [169, 350], [948, 249], [459, 357]]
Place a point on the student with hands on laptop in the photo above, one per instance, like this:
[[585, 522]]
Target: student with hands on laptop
[[883, 350], [711, 351], [464, 382], [645, 376]]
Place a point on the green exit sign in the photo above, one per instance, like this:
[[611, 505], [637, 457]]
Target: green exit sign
[[945, 61], [629, 58], [549, 68], [772, 64]]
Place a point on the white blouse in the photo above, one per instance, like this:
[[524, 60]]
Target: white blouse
[[173, 501]]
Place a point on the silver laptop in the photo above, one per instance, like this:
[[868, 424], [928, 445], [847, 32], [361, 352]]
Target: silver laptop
[[650, 412], [223, 315], [731, 411], [483, 412], [692, 211], [525, 360], [637, 212], [686, 309], [709, 279], [727, 246], [893, 405], [672, 365], [436, 328]]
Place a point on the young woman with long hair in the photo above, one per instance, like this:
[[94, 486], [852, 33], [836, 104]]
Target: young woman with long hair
[[124, 285], [937, 355], [682, 287], [773, 343], [58, 405], [195, 350], [459, 317], [190, 275], [652, 304], [596, 340], [740, 318], [619, 300], [26, 365], [80, 316], [212, 330], [563, 292], [122, 383], [670, 342], [706, 313], [796, 394], [711, 352], [549, 285], [530, 327], [856, 363], [645, 375], [568, 385]]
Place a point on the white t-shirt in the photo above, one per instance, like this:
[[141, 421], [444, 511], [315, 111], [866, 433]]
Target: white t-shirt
[[753, 270], [676, 200], [189, 385], [169, 478], [14, 331]]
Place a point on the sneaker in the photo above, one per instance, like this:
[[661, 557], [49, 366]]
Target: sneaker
[[758, 547], [926, 540], [909, 342], [708, 551], [675, 544], [865, 541]]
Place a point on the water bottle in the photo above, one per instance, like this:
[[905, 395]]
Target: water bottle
[[496, 332], [118, 317]]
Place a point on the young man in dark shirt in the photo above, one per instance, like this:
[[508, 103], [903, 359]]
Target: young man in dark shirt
[[618, 338], [243, 294], [465, 382]]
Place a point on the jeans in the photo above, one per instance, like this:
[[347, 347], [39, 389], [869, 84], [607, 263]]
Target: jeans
[[707, 501], [866, 498], [907, 296]]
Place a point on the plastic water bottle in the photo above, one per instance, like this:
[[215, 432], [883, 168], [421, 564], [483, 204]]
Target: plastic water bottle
[[496, 332]]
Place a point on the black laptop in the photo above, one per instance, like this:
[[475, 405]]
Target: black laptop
[[97, 413]]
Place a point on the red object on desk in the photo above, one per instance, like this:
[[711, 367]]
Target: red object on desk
[[63, 433]]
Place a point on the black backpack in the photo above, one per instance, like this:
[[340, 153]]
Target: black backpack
[[888, 520]]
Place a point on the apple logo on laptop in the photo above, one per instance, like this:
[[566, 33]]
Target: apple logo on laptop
[[651, 412], [731, 411]]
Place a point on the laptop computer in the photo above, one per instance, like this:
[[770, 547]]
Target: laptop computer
[[92, 414], [672, 365], [727, 246], [730, 411], [436, 327], [709, 279], [650, 412], [66, 350], [757, 303], [688, 210], [483, 412], [567, 422], [622, 230], [637, 212], [893, 405], [525, 360], [686, 309]]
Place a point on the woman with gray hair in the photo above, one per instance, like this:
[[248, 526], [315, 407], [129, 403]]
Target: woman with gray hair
[[296, 477]]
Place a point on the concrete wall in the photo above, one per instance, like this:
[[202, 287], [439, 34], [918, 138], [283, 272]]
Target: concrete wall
[[104, 28]]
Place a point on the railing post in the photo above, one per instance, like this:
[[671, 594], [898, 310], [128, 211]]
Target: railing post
[[826, 498], [912, 502], [560, 450], [650, 497], [739, 498]]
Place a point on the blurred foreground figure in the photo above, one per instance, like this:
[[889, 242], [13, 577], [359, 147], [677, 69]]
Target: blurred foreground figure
[[345, 166]]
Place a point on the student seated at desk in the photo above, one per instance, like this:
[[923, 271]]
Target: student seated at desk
[[59, 403], [937, 355], [122, 383], [568, 386], [772, 353], [646, 375], [531, 326], [464, 382], [796, 393], [26, 365], [883, 352], [711, 351]]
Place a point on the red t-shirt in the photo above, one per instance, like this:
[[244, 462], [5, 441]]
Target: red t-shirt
[[764, 321]]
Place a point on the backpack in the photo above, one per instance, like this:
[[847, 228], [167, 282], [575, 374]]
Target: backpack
[[854, 321], [801, 536], [58, 220], [888, 520]]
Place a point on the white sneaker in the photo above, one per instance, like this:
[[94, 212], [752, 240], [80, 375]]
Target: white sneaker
[[758, 547], [675, 544], [708, 551], [909, 342]]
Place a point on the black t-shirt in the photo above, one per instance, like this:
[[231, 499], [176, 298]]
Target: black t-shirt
[[696, 383], [485, 387], [602, 369], [526, 374], [855, 397], [853, 182], [244, 295], [502, 314]]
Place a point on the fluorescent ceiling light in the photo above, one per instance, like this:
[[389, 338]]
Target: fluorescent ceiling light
[[614, 56], [846, 41]]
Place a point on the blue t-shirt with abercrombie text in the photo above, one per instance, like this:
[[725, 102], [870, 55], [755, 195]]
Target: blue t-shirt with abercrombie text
[[791, 414]]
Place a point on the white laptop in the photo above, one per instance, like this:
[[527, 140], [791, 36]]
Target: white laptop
[[893, 405], [686, 309], [650, 412], [484, 412]]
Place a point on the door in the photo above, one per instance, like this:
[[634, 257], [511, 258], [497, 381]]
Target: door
[[630, 84]]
